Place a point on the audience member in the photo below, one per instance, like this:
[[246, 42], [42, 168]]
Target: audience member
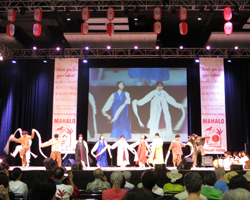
[[220, 183], [115, 193], [100, 182], [247, 176], [174, 186], [229, 175], [237, 194], [66, 179], [238, 181], [127, 176], [138, 194], [167, 198], [16, 185], [193, 183], [64, 191], [4, 187]]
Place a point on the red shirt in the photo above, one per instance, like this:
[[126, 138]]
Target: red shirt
[[113, 194]]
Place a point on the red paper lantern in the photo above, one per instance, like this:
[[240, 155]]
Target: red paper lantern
[[183, 13], [38, 14], [85, 28], [110, 14], [183, 28], [11, 15], [157, 28], [110, 28], [227, 13], [228, 28], [37, 28], [85, 14], [157, 13], [10, 30]]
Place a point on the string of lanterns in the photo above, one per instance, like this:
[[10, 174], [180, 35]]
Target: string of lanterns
[[228, 26], [157, 17]]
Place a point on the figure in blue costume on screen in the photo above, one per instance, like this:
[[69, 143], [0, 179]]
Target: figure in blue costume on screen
[[118, 102], [101, 148]]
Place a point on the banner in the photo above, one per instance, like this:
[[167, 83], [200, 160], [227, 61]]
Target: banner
[[65, 102], [213, 114]]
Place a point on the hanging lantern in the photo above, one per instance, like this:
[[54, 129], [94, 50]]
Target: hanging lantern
[[37, 28], [11, 15], [157, 13], [110, 28], [38, 14], [85, 28], [157, 28], [183, 13], [110, 14], [85, 14], [183, 28], [10, 30], [228, 28], [227, 13]]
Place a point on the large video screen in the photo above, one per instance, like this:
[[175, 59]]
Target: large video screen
[[136, 101]]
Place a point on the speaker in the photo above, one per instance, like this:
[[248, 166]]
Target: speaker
[[236, 168], [50, 164], [186, 164], [160, 167], [76, 167]]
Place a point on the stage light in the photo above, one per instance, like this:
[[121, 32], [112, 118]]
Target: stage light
[[173, 11], [157, 47], [126, 10], [87, 48], [108, 47], [13, 61], [229, 60], [135, 47], [199, 18], [208, 47], [236, 47], [236, 10], [135, 19], [211, 10], [22, 10], [201, 11], [34, 48], [197, 60], [85, 61], [1, 160], [68, 19], [181, 47], [45, 61], [58, 48], [136, 10], [1, 57]]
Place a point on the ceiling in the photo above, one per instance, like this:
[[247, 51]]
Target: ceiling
[[57, 31]]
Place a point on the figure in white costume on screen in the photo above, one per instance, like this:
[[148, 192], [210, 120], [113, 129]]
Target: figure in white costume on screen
[[159, 108], [92, 129]]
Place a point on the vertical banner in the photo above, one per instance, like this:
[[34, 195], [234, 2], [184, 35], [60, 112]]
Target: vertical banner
[[65, 102], [213, 112]]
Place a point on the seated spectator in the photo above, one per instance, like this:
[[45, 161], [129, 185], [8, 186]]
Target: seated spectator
[[17, 186], [115, 193], [238, 181], [100, 182], [66, 179], [208, 190], [220, 183], [127, 176], [193, 183], [174, 186], [138, 194], [237, 194], [229, 175], [4, 186], [64, 191], [247, 176]]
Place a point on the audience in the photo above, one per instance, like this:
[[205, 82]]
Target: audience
[[237, 194], [127, 176], [238, 181], [220, 183], [193, 183], [17, 186], [115, 193], [100, 182], [247, 176], [174, 186], [229, 175], [138, 194], [4, 187]]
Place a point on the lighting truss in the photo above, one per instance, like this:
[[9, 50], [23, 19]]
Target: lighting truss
[[77, 5]]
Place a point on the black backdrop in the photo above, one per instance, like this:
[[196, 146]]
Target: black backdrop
[[26, 98]]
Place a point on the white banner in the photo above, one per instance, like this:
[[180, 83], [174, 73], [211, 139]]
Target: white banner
[[65, 102], [213, 112]]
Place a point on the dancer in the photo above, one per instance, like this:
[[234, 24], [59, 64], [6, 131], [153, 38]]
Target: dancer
[[101, 148], [157, 152], [81, 152], [142, 150], [55, 143], [122, 152], [176, 147], [118, 102], [25, 146], [159, 108]]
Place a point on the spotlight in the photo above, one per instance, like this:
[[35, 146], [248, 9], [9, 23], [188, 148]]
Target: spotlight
[[34, 48], [85, 61], [197, 60], [108, 47], [157, 47], [67, 11], [236, 10], [22, 10], [68, 19], [135, 19], [201, 11], [58, 48], [1, 160], [45, 61], [87, 48], [181, 47], [136, 10], [173, 11], [229, 60], [236, 47], [208, 47], [1, 57], [13, 61], [211, 10], [135, 47], [94, 11], [199, 18], [126, 11]]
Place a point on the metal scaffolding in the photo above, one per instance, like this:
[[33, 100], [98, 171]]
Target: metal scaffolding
[[100, 5]]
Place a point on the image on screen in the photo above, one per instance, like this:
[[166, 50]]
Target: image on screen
[[136, 101]]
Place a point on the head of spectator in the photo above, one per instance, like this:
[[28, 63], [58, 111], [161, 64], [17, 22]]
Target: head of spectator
[[4, 186], [98, 173], [4, 167], [174, 175], [16, 174], [127, 175], [193, 183], [59, 174], [116, 179], [138, 194], [220, 173], [238, 181], [148, 179], [165, 197], [247, 176], [236, 194], [229, 175], [209, 178]]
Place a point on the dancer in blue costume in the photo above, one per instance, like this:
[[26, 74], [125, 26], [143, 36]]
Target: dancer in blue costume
[[101, 148], [118, 102]]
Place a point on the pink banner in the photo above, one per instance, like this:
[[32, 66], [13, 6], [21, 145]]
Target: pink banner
[[65, 102], [213, 117]]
